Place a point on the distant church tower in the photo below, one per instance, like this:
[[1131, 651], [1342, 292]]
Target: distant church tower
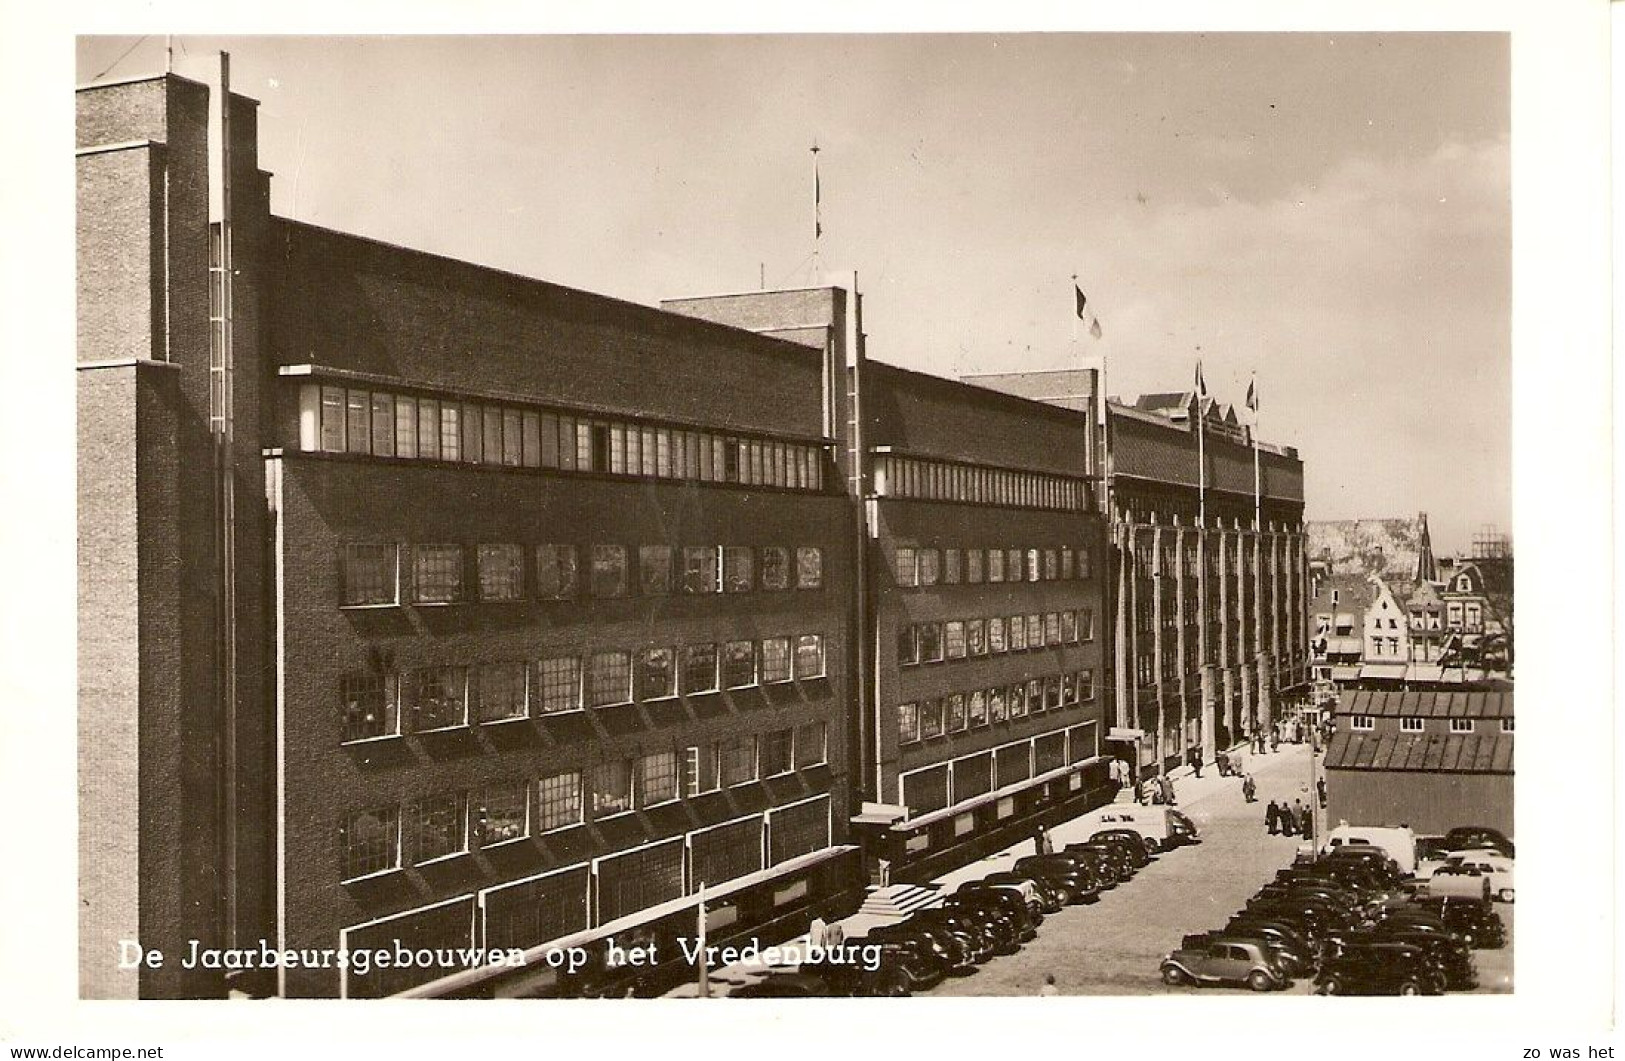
[[1427, 570]]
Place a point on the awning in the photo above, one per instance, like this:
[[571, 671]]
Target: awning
[[1345, 672], [1424, 672], [536, 957], [989, 797], [1393, 671]]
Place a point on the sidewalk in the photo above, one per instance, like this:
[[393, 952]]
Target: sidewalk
[[1282, 774]]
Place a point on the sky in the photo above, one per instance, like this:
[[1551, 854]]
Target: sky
[[1328, 211]]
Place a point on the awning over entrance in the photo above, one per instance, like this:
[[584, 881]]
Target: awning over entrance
[[1388, 671]]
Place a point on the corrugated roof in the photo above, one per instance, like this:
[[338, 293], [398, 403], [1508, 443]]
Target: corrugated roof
[[1434, 753], [1475, 703]]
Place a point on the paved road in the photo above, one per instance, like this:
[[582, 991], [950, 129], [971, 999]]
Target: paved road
[[1114, 947]]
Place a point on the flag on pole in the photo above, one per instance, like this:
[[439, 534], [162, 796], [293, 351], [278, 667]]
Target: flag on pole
[[1252, 394], [1201, 384], [1084, 313], [818, 198], [1094, 327]]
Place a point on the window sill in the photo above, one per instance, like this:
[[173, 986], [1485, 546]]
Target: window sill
[[368, 877], [384, 606], [436, 603], [738, 688], [612, 815], [494, 844], [612, 705], [663, 803], [439, 729], [552, 830], [504, 720], [557, 712], [379, 739], [436, 860], [782, 773]]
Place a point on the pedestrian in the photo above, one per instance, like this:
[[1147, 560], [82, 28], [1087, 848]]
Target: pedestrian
[[1249, 790], [1168, 790], [1289, 819], [1272, 817], [1041, 844], [1196, 762], [885, 873], [1320, 789], [1300, 817], [1049, 990]]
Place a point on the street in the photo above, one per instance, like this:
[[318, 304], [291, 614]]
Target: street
[[1114, 947]]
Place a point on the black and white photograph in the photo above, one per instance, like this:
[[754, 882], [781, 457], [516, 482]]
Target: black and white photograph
[[679, 514]]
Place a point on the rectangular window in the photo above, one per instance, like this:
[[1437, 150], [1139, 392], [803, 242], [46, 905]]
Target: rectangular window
[[775, 568], [609, 679], [531, 440], [437, 698], [775, 660], [1035, 695], [491, 434], [358, 422], [736, 757], [654, 570], [473, 433], [617, 449], [954, 638], [905, 565], [333, 419], [700, 569], [657, 673], [778, 752], [451, 431], [1083, 561], [976, 636], [559, 684], [657, 778], [700, 769], [556, 573], [1086, 685], [809, 567], [1052, 692], [930, 719], [955, 712], [383, 425], [1069, 688], [809, 656], [1067, 565], [1506, 725], [611, 788], [1411, 725], [1035, 565], [930, 635], [608, 575], [1013, 565], [998, 709], [930, 567], [973, 565], [908, 645], [1361, 722], [1018, 633], [372, 840], [812, 744], [437, 573], [995, 565], [437, 827], [663, 453], [369, 706], [950, 567], [558, 801], [1461, 725], [369, 573], [501, 814], [977, 708], [589, 458], [1017, 695], [699, 669], [1052, 628], [737, 575], [501, 572], [1069, 627], [1086, 624], [406, 428], [500, 691], [995, 635], [513, 447], [908, 723], [738, 664]]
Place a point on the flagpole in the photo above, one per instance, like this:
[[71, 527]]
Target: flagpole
[[705, 978], [1201, 450], [1258, 493], [818, 224]]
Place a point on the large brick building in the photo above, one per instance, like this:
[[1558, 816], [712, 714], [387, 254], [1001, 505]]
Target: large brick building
[[426, 602]]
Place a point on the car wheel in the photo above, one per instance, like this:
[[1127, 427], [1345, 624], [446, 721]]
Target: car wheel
[[1506, 895], [1173, 974], [1410, 987], [1259, 980]]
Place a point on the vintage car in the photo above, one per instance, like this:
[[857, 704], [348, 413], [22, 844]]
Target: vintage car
[[1230, 962], [1475, 921], [1464, 837], [1496, 870], [1380, 969]]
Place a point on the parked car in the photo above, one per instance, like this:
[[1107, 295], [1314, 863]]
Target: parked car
[[905, 966], [1496, 870], [1446, 952], [1132, 844], [1048, 897], [1024, 891], [1464, 837], [1379, 970], [986, 934], [1009, 904], [1155, 825], [1228, 962], [1477, 922], [1372, 858], [1398, 844], [1118, 864], [1289, 937], [1291, 961], [785, 985], [953, 951], [1075, 886]]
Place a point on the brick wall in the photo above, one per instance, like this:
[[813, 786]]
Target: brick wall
[[326, 501]]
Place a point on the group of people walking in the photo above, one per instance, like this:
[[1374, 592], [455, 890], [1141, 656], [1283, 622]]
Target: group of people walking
[[1294, 819]]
